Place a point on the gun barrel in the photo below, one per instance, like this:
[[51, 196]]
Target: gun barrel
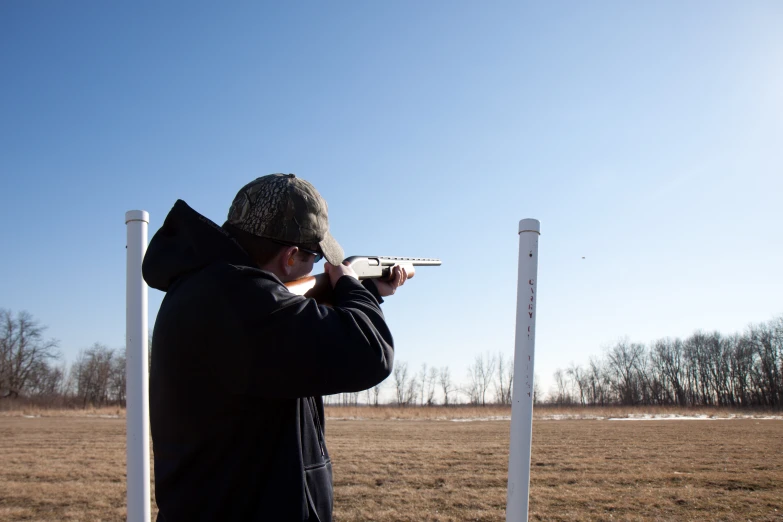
[[391, 260]]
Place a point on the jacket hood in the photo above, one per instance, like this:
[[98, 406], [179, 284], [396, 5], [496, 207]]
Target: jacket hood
[[186, 242]]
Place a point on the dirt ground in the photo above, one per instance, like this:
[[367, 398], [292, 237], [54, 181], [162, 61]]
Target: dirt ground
[[73, 468]]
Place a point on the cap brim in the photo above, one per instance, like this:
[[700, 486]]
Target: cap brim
[[332, 250]]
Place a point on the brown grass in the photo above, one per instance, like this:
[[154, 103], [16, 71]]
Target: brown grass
[[581, 470], [539, 412], [415, 413], [62, 468], [108, 412], [543, 412], [73, 468]]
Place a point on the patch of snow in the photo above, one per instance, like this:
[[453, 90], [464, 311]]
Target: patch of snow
[[661, 417], [571, 416], [670, 416], [481, 419]]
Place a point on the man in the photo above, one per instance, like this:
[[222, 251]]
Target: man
[[239, 364]]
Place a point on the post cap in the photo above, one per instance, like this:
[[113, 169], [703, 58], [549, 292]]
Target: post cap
[[137, 215], [530, 225]]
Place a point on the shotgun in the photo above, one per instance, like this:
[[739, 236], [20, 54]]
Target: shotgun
[[319, 288]]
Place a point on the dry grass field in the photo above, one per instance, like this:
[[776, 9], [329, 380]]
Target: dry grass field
[[404, 465]]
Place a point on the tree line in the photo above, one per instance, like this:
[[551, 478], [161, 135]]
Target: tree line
[[489, 382], [31, 367], [705, 369]]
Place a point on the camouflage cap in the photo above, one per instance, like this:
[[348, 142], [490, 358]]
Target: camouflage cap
[[288, 209]]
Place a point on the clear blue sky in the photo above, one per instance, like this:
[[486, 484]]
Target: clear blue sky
[[645, 138]]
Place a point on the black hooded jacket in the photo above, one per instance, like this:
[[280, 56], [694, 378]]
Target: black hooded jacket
[[238, 367]]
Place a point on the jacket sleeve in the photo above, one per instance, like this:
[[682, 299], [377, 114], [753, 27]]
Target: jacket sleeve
[[290, 346]]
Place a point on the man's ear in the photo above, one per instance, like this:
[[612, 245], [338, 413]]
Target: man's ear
[[287, 259]]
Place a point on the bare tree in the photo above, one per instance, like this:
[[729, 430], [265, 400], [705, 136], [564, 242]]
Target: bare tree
[[117, 378], [422, 383], [563, 396], [93, 372], [403, 386], [480, 375], [624, 361], [412, 393], [703, 358], [598, 382], [426, 385], [368, 396], [505, 379], [579, 381], [46, 381], [769, 351], [446, 386], [432, 386], [667, 356], [537, 394], [23, 351], [742, 362], [376, 393]]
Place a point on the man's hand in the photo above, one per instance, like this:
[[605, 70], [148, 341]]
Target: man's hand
[[336, 272], [397, 278]]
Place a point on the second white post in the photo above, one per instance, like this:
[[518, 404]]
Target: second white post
[[524, 357]]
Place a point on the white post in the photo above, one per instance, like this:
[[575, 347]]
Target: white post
[[137, 393], [524, 356]]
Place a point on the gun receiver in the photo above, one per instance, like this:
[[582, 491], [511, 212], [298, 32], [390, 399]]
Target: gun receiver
[[319, 288], [373, 267]]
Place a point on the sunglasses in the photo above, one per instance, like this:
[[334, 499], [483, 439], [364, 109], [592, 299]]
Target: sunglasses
[[318, 255]]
